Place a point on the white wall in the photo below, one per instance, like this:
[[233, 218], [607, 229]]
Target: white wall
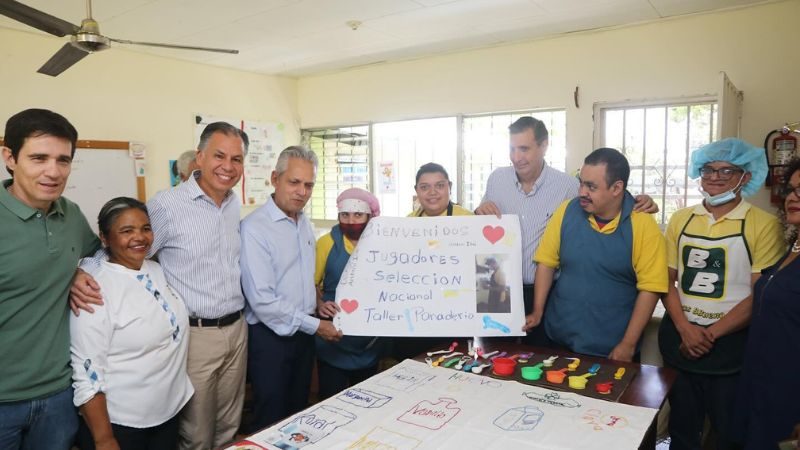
[[666, 59], [127, 96], [123, 95]]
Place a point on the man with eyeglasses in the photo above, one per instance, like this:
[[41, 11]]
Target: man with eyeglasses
[[715, 253]]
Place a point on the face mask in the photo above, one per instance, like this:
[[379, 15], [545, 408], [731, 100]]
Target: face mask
[[725, 197], [352, 230]]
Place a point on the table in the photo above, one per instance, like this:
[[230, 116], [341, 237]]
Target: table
[[648, 389]]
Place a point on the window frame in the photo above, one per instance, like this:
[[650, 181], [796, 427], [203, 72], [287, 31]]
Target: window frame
[[599, 132], [459, 187]]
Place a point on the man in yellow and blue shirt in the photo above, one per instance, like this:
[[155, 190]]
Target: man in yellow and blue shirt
[[715, 252], [612, 263]]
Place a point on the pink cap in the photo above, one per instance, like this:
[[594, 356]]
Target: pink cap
[[359, 194]]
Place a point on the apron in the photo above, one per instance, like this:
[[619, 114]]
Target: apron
[[351, 352], [713, 276], [590, 305]]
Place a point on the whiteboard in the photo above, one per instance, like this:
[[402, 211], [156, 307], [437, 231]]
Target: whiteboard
[[97, 176]]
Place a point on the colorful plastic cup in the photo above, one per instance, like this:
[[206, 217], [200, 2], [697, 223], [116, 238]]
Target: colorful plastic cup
[[532, 372], [556, 376], [578, 382]]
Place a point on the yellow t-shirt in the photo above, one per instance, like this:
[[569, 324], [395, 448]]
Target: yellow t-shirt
[[457, 211], [324, 247], [649, 252], [762, 232]]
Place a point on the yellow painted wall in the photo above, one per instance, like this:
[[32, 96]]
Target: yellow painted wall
[[123, 95], [666, 59]]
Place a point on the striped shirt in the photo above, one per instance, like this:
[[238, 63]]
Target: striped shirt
[[197, 244], [533, 209]]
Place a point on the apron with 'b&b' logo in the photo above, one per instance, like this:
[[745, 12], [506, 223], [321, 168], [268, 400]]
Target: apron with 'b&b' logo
[[713, 276]]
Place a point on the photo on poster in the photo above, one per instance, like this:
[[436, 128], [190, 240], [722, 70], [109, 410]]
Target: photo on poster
[[492, 292]]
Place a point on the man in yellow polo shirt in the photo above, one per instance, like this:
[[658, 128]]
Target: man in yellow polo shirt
[[612, 263], [715, 253]]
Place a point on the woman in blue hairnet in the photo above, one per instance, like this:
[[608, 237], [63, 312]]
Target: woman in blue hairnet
[[715, 252], [769, 406]]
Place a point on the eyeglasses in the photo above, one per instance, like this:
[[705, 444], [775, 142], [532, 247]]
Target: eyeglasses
[[440, 186], [723, 173], [788, 189]]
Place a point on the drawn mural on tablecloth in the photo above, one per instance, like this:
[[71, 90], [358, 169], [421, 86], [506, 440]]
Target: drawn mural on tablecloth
[[310, 427], [382, 439], [522, 418], [431, 415], [552, 398], [405, 380], [601, 421], [363, 398]]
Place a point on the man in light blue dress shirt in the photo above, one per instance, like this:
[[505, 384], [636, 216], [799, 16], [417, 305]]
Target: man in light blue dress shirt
[[533, 190], [278, 255]]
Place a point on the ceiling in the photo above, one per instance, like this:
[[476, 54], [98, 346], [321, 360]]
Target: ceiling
[[305, 37]]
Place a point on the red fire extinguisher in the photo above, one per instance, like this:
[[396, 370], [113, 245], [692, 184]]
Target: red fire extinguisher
[[784, 148]]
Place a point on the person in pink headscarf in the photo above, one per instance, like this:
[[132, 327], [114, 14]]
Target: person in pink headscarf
[[354, 358]]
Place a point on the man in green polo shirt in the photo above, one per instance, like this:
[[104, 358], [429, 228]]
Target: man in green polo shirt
[[43, 237]]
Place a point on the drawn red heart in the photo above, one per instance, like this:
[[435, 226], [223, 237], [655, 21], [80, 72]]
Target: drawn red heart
[[493, 234], [348, 305]]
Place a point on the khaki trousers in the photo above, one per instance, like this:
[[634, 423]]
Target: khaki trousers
[[217, 366]]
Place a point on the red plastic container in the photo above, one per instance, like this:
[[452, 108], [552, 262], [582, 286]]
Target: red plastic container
[[504, 366]]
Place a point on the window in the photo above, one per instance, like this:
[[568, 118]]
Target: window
[[485, 143], [384, 157], [657, 140], [343, 163], [404, 146]]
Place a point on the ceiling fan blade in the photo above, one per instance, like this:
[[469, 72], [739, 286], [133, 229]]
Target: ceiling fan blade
[[179, 47], [37, 19], [62, 60]]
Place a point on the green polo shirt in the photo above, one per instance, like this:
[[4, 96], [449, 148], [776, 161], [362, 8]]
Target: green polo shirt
[[38, 255]]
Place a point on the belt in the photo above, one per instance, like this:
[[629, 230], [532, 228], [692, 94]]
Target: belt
[[223, 321]]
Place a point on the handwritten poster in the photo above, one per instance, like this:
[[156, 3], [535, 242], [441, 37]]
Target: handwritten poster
[[434, 276], [446, 409], [266, 143]]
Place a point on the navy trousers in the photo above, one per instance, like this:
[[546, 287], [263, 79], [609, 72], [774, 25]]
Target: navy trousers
[[279, 370]]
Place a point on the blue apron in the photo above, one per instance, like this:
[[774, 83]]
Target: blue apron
[[592, 301], [351, 352]]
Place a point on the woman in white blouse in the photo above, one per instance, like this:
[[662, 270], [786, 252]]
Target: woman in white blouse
[[129, 357]]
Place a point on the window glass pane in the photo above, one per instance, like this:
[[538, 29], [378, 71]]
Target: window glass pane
[[614, 128], [343, 164], [404, 147], [656, 173], [657, 141], [485, 143], [634, 148]]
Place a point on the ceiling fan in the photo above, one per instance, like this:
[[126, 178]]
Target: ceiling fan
[[84, 39]]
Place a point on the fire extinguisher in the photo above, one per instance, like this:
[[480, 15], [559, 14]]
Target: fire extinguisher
[[784, 148]]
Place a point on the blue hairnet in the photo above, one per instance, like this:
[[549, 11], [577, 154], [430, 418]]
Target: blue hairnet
[[737, 152]]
